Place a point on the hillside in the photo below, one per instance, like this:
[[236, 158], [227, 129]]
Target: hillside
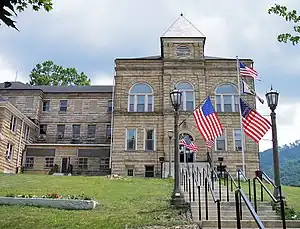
[[289, 157]]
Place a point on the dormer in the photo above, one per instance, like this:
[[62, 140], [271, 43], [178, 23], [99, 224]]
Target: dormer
[[182, 40]]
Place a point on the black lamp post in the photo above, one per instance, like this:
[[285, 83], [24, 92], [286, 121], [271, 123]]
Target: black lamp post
[[170, 135], [272, 99], [177, 196]]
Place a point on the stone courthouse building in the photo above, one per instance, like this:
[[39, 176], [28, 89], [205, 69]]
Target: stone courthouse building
[[123, 129]]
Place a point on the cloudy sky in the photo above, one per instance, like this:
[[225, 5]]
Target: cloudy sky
[[90, 36]]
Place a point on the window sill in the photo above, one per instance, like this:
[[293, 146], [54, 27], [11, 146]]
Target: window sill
[[62, 112]]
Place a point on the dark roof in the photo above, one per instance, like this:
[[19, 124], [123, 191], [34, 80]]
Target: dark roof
[[58, 89], [158, 57]]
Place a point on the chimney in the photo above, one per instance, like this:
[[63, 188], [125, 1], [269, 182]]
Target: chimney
[[7, 84]]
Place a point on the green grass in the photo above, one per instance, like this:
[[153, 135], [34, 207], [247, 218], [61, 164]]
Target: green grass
[[133, 202]]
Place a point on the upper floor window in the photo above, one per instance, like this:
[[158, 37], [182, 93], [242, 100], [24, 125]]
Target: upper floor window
[[221, 143], [188, 101], [13, 123], [43, 128], [149, 139], [109, 106], [237, 140], [46, 105], [183, 51], [140, 98], [76, 131], [227, 99], [26, 132], [61, 131], [91, 131], [108, 131], [130, 139], [63, 105], [9, 151]]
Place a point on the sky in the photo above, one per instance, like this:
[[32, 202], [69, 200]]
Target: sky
[[90, 36]]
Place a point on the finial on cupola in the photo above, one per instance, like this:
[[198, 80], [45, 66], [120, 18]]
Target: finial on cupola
[[181, 14]]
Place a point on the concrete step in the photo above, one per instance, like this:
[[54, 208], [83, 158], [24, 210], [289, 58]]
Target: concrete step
[[205, 224]]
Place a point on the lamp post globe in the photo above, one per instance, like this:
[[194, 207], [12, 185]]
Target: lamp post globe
[[177, 195], [272, 99]]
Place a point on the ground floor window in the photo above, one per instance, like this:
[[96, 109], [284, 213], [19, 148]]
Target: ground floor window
[[149, 170], [83, 162], [130, 170], [29, 163], [104, 163], [49, 161]]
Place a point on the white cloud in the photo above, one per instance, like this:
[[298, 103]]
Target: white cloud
[[102, 79], [9, 72]]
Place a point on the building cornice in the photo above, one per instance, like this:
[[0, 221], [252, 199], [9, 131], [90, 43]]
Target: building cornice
[[67, 145]]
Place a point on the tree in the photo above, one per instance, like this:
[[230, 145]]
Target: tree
[[8, 8], [289, 16], [49, 73]]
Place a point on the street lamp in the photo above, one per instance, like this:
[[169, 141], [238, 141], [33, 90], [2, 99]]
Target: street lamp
[[272, 99], [170, 135], [177, 196]]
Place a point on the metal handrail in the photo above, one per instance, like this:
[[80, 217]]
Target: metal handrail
[[239, 193], [268, 179], [232, 179], [247, 179], [243, 174]]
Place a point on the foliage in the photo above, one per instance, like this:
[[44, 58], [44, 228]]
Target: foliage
[[289, 16], [49, 73], [289, 163], [8, 8], [135, 202], [51, 196]]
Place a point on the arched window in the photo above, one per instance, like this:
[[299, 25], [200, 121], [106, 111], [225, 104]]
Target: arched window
[[227, 99], [188, 98], [186, 155], [140, 98]]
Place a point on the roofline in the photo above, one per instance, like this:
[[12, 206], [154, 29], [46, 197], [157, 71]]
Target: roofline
[[16, 112], [68, 145], [186, 38], [138, 58]]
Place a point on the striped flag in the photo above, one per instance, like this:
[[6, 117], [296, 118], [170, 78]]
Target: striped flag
[[210, 144], [247, 71], [254, 125], [207, 121], [247, 89], [186, 141]]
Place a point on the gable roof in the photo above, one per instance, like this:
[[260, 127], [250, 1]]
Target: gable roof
[[182, 27]]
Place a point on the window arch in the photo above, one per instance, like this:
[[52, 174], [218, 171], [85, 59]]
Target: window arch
[[227, 99], [141, 98], [188, 96]]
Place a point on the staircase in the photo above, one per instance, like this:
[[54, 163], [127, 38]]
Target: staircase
[[205, 211]]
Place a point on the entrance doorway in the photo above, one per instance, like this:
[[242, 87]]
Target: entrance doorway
[[186, 155], [64, 165]]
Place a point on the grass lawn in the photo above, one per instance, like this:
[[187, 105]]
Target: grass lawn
[[133, 202]]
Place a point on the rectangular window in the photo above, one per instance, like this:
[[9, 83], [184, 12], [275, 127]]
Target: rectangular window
[[49, 161], [104, 163], [63, 105], [140, 103], [150, 103], [218, 103], [13, 123], [149, 140], [76, 131], [130, 172], [83, 162], [236, 104], [131, 103], [9, 151], [43, 129], [26, 132], [130, 139], [189, 100], [109, 106], [29, 163], [221, 143], [149, 170], [46, 105], [227, 103], [61, 131], [108, 131], [91, 131], [238, 140]]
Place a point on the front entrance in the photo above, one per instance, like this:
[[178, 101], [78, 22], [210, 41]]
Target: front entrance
[[64, 165], [186, 155]]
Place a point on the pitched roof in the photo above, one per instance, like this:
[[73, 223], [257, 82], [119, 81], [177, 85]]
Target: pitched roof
[[182, 27], [58, 89]]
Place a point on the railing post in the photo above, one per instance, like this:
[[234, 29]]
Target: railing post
[[193, 178], [199, 202], [186, 180], [219, 214], [184, 186], [203, 172], [282, 208], [261, 193], [249, 190], [227, 186], [237, 209], [254, 195], [190, 194], [212, 180], [220, 189], [239, 180], [200, 179], [231, 184], [206, 200]]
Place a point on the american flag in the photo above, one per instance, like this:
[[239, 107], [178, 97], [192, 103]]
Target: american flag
[[207, 121], [186, 141], [247, 71], [254, 125], [210, 144]]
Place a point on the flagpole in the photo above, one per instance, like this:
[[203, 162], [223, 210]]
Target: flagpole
[[240, 111]]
